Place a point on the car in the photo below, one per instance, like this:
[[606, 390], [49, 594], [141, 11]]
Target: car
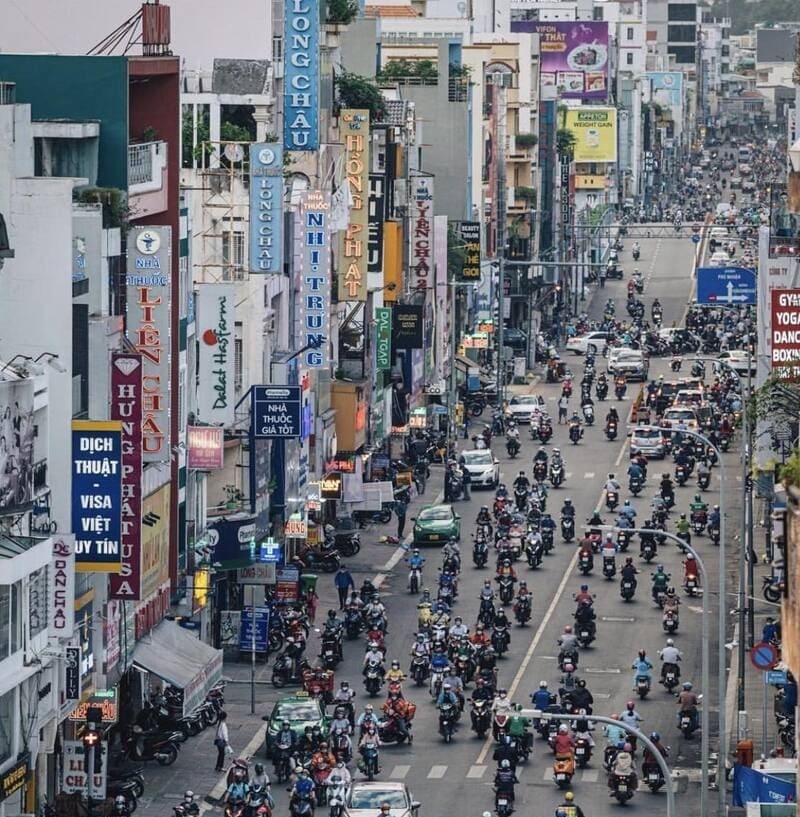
[[590, 342], [515, 338], [523, 407], [737, 359], [649, 440], [436, 524], [735, 181], [632, 363], [689, 397], [299, 711], [364, 799], [681, 416], [720, 259], [748, 185], [484, 469]]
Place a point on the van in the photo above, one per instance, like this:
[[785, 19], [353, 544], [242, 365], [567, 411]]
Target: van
[[719, 234]]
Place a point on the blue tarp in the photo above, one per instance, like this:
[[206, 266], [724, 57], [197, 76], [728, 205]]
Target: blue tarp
[[753, 786]]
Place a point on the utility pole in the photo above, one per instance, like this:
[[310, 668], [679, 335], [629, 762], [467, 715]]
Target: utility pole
[[500, 153]]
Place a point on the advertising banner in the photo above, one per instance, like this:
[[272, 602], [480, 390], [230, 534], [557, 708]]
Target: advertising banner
[[375, 216], [230, 540], [301, 75], [574, 56], [753, 786], [266, 208], [407, 326], [666, 88], [15, 777], [383, 338], [355, 239], [420, 231], [72, 675], [16, 446], [315, 263], [215, 327], [126, 406], [785, 331], [595, 130], [97, 495], [61, 618], [470, 234], [206, 448], [74, 780], [148, 327], [155, 543], [276, 411]]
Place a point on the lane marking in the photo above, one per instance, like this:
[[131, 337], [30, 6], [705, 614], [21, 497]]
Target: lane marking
[[476, 772], [622, 451], [617, 618], [603, 670], [589, 475], [437, 772], [399, 772]]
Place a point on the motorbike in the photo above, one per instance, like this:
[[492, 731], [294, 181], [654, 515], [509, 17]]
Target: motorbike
[[642, 686], [161, 747], [506, 589], [635, 485], [337, 794], [568, 528], [512, 447], [353, 624], [282, 763], [601, 389], [389, 732], [521, 498], [133, 778], [623, 539], [544, 433], [622, 788], [698, 521], [328, 561], [540, 471], [588, 414], [575, 433], [772, 589], [687, 724], [585, 562], [447, 721], [652, 776], [369, 762], [669, 621], [671, 677], [648, 550], [480, 553], [619, 390], [586, 634], [556, 474], [703, 481], [330, 651], [609, 568], [627, 589], [414, 580], [636, 252], [611, 430], [612, 500], [547, 539], [502, 804], [690, 585], [481, 717], [522, 611], [681, 475], [534, 553], [583, 752], [419, 670], [500, 640], [563, 770], [373, 681]]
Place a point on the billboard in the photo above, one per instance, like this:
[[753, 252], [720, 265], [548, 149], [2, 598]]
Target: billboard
[[666, 88], [375, 216], [206, 447], [315, 286], [275, 411], [355, 239], [595, 131], [155, 541], [215, 334], [148, 282], [126, 406], [383, 338], [420, 232], [407, 328], [61, 588], [785, 331], [301, 75], [266, 208], [470, 234], [16, 445], [97, 495], [574, 56]]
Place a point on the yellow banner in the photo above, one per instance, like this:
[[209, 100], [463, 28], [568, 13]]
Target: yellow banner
[[354, 125], [595, 130]]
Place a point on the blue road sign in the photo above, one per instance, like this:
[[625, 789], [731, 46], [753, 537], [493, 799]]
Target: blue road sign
[[717, 286], [764, 656], [261, 629], [270, 551], [276, 411], [695, 239], [777, 677]]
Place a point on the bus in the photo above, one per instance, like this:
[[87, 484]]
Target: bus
[[745, 154]]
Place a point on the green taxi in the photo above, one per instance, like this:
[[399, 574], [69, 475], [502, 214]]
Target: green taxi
[[436, 524], [298, 710]]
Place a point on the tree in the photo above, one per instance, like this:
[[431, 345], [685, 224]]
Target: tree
[[565, 142], [355, 91]]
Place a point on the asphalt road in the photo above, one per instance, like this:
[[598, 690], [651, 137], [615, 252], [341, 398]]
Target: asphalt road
[[460, 774]]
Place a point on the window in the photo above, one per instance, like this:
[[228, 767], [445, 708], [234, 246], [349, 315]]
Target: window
[[598, 13], [37, 602], [238, 352], [629, 58], [684, 54], [682, 13], [7, 723], [10, 619], [232, 254], [629, 33], [681, 34]]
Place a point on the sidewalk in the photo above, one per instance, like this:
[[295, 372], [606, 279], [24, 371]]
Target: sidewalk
[[194, 768]]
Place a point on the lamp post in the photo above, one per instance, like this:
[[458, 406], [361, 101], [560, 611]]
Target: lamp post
[[704, 652], [659, 758], [721, 631]]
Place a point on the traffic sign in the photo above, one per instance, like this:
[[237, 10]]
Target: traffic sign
[[726, 285], [254, 636], [695, 239], [276, 412], [764, 656], [776, 677]]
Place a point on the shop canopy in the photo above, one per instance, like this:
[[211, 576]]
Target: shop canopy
[[177, 655]]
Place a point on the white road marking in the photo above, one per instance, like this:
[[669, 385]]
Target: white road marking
[[476, 772], [589, 475], [399, 772], [437, 772], [621, 453], [603, 671]]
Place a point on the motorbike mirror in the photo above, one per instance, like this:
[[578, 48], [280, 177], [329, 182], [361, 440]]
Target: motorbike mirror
[[415, 804], [265, 717], [317, 630]]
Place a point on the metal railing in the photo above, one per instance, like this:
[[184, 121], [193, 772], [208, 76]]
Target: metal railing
[[142, 165]]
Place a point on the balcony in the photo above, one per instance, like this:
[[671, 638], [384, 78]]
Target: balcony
[[147, 177]]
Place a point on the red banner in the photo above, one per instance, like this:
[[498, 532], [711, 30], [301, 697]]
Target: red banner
[[785, 331], [126, 405]]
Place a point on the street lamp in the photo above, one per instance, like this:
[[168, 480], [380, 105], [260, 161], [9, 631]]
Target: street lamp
[[659, 758], [704, 655], [721, 632]]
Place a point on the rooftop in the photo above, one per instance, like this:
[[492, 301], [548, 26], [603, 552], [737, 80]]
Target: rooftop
[[392, 11]]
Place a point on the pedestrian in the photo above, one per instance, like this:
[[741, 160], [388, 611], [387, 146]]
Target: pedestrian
[[465, 481], [221, 740], [311, 600], [563, 405], [344, 582], [400, 512]]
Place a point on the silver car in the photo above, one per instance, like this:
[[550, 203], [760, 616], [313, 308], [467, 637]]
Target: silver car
[[649, 440], [364, 800], [484, 469]]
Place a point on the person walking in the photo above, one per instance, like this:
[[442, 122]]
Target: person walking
[[563, 406], [343, 580], [400, 506], [221, 740]]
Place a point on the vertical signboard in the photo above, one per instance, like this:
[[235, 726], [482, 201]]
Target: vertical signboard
[[375, 216], [315, 271], [126, 406], [785, 333], [266, 208], [97, 495], [383, 338], [61, 591], [215, 327], [74, 778], [16, 446], [420, 261], [301, 75], [470, 234], [148, 327], [353, 266], [206, 448], [566, 217]]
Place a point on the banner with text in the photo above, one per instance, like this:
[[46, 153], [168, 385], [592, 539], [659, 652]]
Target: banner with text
[[376, 215], [266, 208], [355, 239], [470, 234], [383, 338], [301, 51], [785, 329], [420, 231], [315, 261], [16, 457], [215, 335]]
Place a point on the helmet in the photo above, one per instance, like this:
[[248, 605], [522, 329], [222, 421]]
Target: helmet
[[395, 665], [584, 588], [683, 516], [659, 568], [446, 686], [629, 560], [569, 796], [568, 628], [569, 668], [563, 729], [416, 551], [458, 620], [687, 685], [716, 507], [582, 684], [670, 642], [542, 684], [627, 503], [259, 769], [655, 737], [697, 498], [556, 451], [568, 501], [345, 685], [522, 473], [611, 476], [368, 708], [670, 591], [504, 764], [285, 725], [630, 706], [626, 747], [642, 654]]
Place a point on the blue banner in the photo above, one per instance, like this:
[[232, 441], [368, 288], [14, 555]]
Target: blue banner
[[246, 629], [276, 412], [266, 207], [753, 786], [97, 495], [301, 75]]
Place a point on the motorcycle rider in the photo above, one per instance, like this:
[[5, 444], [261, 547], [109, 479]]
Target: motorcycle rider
[[366, 719], [575, 421], [628, 510], [569, 807], [568, 509], [612, 486], [609, 550], [623, 767], [698, 504], [341, 724], [671, 601], [521, 486], [397, 707], [635, 471], [648, 758], [259, 789], [415, 561], [375, 609], [547, 522], [584, 596], [614, 734], [612, 417], [458, 629], [484, 515], [660, 581], [629, 572], [585, 616], [564, 743], [670, 657], [582, 731], [303, 788], [582, 698], [480, 639], [691, 568], [667, 488], [506, 751], [370, 740], [688, 703], [482, 691], [394, 673], [630, 717], [284, 739], [641, 668], [714, 518], [683, 529], [703, 471], [504, 781], [541, 698], [568, 642], [373, 659]]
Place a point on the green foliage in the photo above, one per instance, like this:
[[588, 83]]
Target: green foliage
[[341, 12], [744, 15], [460, 70], [230, 132], [565, 142], [526, 194], [116, 212], [526, 140], [789, 472], [187, 130], [424, 70], [355, 91]]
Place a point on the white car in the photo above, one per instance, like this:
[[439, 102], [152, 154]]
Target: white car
[[678, 417], [364, 799], [484, 469], [523, 407], [737, 360], [590, 342]]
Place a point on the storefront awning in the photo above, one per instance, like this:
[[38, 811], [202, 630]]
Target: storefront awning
[[176, 655]]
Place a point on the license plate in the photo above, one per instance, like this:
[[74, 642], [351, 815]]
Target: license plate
[[580, 751], [502, 802], [622, 787], [434, 536], [560, 776], [584, 634], [627, 585], [652, 777]]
